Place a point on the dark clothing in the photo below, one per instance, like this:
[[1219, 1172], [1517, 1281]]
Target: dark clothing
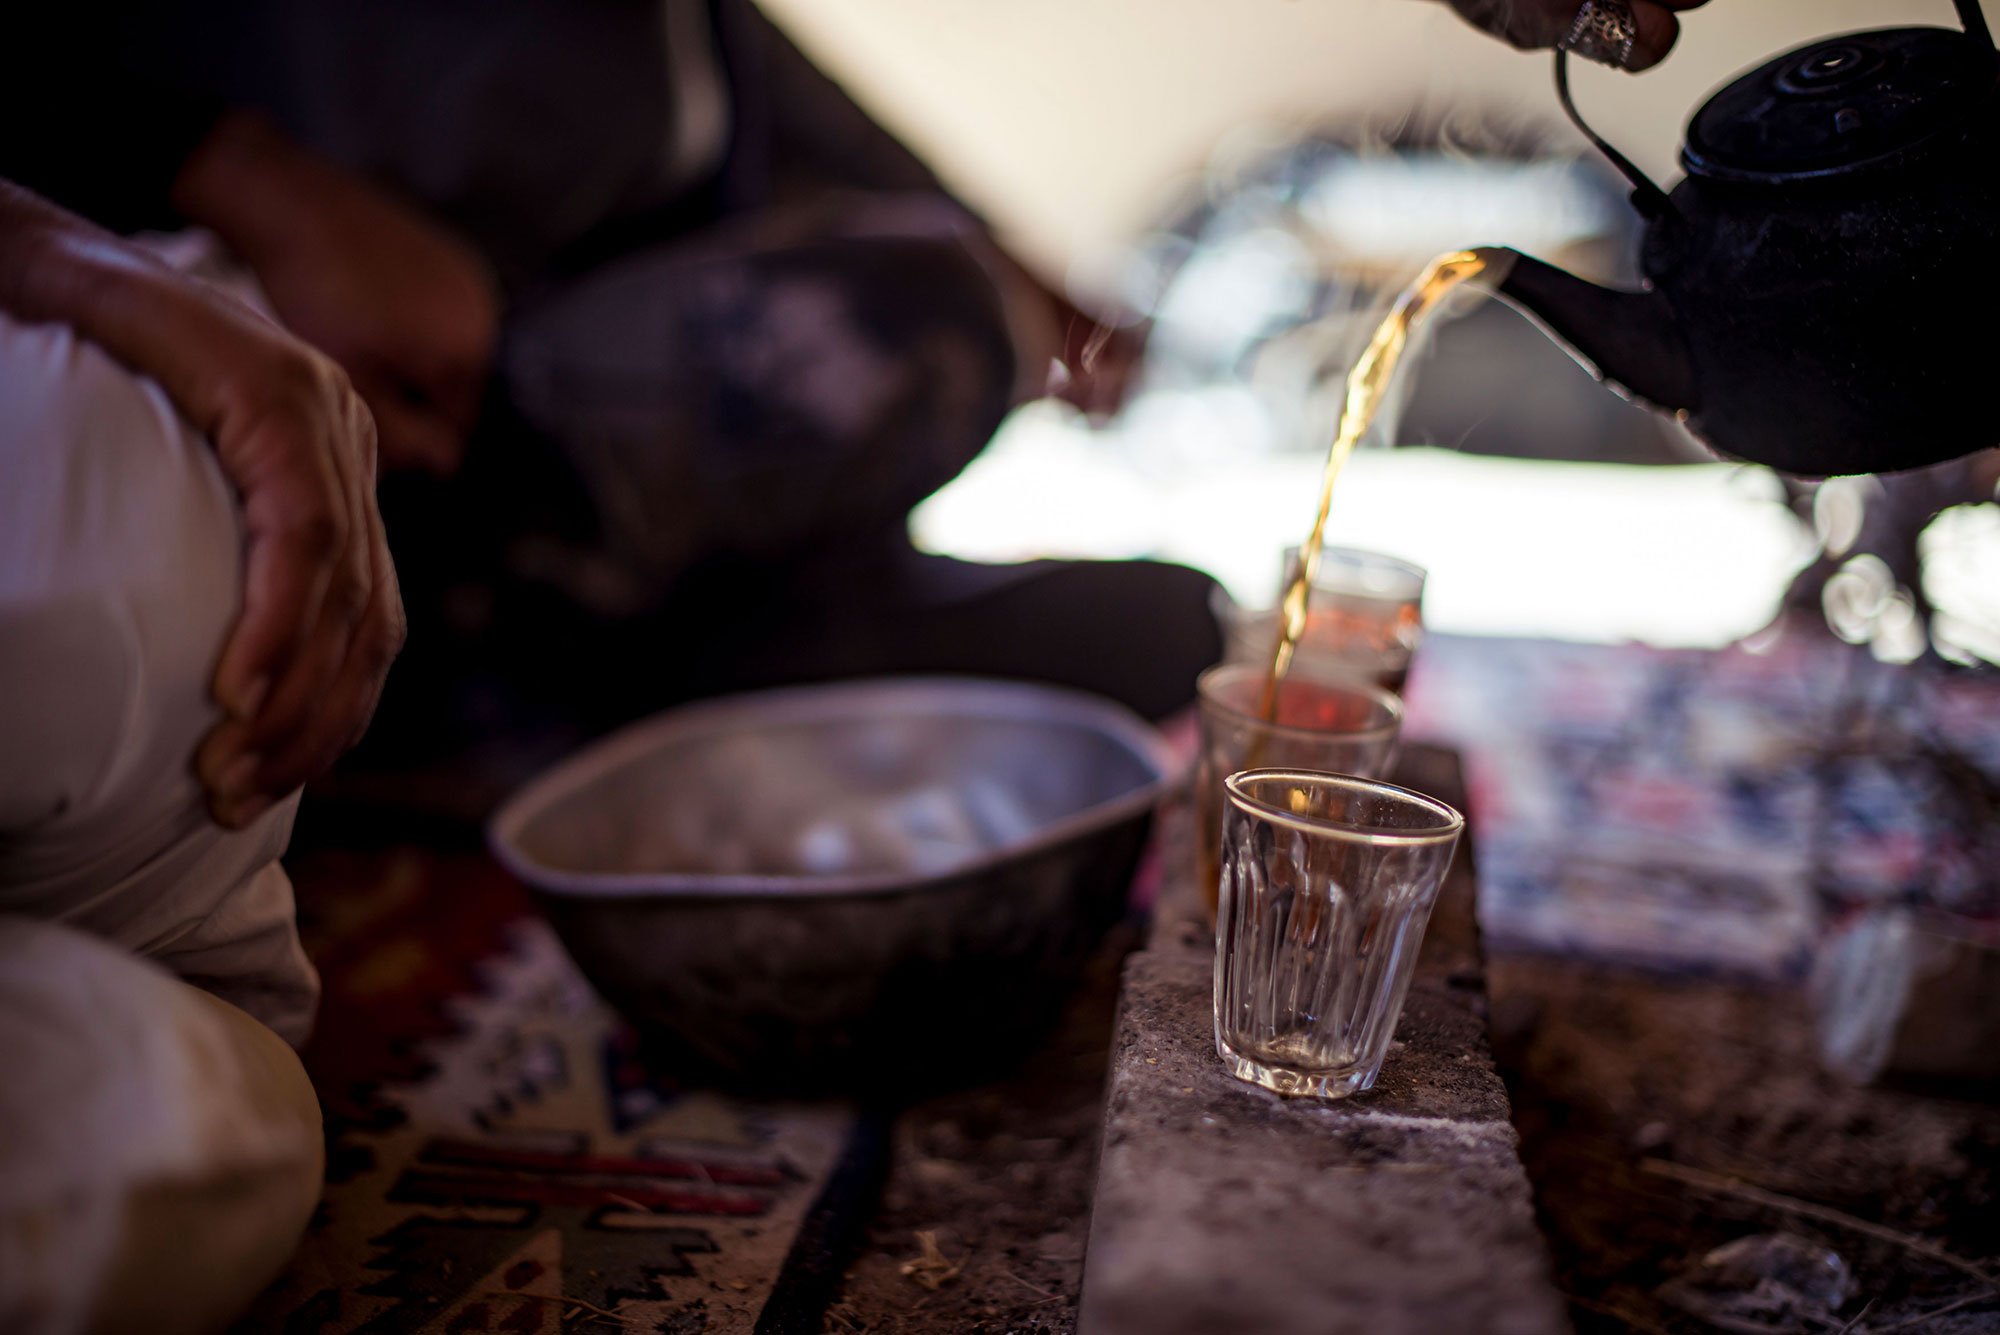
[[535, 126], [92, 119], [747, 331]]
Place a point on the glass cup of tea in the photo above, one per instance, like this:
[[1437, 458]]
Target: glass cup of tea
[[1327, 884], [1364, 618], [1321, 722]]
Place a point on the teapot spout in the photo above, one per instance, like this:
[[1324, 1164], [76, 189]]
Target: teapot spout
[[1629, 340]]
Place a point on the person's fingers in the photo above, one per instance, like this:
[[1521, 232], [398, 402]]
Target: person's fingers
[[319, 736], [1531, 25], [450, 372], [228, 767], [461, 329], [321, 707], [329, 456], [1540, 24], [298, 703], [296, 523], [414, 432], [1100, 384], [457, 395], [1658, 29], [346, 705], [384, 628]]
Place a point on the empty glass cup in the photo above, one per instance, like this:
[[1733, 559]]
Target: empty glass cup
[[1327, 884]]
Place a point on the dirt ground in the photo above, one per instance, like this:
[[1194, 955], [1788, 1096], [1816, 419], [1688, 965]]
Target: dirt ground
[[1662, 1119], [987, 1202]]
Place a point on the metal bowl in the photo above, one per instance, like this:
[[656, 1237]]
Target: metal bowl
[[863, 879]]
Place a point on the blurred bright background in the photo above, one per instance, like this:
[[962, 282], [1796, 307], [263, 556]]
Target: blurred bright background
[[1257, 177]]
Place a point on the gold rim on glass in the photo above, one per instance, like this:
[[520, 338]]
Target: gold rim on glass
[[1451, 822]]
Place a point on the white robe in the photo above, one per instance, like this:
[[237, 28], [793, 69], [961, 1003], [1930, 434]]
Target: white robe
[[120, 576], [160, 1153]]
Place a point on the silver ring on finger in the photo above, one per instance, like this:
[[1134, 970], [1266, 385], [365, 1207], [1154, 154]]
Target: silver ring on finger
[[1603, 31]]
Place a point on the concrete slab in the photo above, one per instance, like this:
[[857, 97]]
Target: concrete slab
[[1221, 1207]]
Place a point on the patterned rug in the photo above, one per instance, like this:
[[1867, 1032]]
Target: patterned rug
[[501, 1159], [1716, 811]]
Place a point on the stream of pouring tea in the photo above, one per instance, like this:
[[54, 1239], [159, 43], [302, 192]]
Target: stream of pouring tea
[[1367, 384]]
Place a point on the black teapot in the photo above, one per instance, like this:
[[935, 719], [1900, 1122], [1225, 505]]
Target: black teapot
[[1823, 288]]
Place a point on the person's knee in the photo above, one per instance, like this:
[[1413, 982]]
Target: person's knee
[[1148, 627], [769, 400], [115, 520], [160, 1151]]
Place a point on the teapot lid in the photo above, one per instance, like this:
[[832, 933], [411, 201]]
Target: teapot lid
[[1845, 105]]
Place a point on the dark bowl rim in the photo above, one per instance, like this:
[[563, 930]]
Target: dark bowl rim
[[963, 696]]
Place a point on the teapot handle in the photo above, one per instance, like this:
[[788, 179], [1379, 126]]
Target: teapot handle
[[1973, 19], [1649, 199]]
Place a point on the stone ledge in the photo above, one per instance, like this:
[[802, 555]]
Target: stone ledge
[[1221, 1207]]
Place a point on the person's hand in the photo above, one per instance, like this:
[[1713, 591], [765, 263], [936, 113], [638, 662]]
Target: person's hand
[[1060, 351], [301, 671], [1098, 364], [1064, 352], [405, 306], [1539, 24]]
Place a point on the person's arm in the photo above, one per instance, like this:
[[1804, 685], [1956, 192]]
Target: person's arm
[[408, 308], [322, 619], [1534, 25], [821, 139], [89, 120]]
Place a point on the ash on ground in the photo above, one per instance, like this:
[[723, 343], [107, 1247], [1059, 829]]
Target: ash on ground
[[987, 1203]]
